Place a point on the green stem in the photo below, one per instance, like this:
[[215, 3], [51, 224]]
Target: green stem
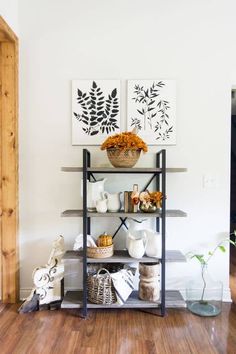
[[204, 282]]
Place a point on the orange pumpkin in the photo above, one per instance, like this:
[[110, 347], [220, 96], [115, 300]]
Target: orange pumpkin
[[104, 240]]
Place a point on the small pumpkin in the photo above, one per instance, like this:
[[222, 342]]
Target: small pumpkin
[[104, 240]]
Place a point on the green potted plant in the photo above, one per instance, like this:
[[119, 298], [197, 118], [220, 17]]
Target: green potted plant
[[204, 295]]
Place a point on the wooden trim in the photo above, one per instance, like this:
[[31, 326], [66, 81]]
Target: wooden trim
[[7, 32], [9, 261]]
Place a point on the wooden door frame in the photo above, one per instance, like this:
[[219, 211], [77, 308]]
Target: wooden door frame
[[9, 258]]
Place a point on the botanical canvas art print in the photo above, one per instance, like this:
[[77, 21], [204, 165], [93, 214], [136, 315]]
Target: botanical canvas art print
[[95, 110], [152, 110]]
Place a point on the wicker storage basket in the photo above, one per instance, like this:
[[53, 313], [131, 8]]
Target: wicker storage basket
[[100, 252], [93, 268], [100, 288], [123, 158]]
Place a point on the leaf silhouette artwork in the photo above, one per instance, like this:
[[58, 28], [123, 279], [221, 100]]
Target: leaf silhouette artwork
[[151, 109], [97, 109], [109, 123]]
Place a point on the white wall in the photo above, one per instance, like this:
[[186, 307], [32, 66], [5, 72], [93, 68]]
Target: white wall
[[9, 11], [189, 41]]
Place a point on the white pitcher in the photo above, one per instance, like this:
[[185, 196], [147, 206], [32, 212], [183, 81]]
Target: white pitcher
[[135, 226], [136, 246], [95, 191], [113, 201], [153, 247], [101, 205]]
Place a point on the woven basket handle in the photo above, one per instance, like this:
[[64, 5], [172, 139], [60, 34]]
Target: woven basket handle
[[104, 270]]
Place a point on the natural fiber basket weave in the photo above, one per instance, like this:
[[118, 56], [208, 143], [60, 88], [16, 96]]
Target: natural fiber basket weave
[[93, 268], [123, 158], [100, 252], [100, 288]]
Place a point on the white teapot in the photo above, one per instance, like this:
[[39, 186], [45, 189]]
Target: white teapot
[[95, 191], [136, 245], [113, 201]]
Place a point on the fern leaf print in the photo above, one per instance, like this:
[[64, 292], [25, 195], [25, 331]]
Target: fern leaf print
[[95, 110]]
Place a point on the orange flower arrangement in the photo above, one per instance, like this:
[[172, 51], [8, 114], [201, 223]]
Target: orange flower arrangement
[[156, 198], [123, 141], [149, 198]]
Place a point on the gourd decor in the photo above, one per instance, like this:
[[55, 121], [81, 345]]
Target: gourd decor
[[104, 240]]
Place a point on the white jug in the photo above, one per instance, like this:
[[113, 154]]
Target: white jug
[[95, 191], [101, 205], [135, 226], [153, 247], [136, 246], [113, 201]]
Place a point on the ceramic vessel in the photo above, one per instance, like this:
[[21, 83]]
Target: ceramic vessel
[[147, 209], [135, 228], [95, 191], [136, 246], [101, 205], [113, 201], [153, 247]]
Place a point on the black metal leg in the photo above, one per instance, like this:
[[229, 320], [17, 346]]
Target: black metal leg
[[158, 188], [86, 227], [163, 234]]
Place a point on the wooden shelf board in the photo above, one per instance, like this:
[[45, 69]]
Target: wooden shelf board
[[122, 256], [73, 299], [79, 213], [123, 170]]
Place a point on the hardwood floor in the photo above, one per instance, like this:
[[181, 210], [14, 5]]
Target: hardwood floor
[[116, 332], [233, 282]]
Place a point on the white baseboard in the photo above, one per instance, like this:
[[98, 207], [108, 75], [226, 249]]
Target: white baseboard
[[227, 295], [24, 293]]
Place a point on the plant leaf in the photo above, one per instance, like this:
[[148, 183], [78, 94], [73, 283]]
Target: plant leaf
[[94, 132], [199, 257], [222, 248], [80, 93], [114, 93]]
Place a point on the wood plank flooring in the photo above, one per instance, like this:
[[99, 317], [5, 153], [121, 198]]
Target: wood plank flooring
[[116, 332]]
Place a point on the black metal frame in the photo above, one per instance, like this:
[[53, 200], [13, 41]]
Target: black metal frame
[[160, 185]]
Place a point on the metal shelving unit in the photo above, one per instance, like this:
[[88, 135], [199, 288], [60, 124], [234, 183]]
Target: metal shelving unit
[[169, 298]]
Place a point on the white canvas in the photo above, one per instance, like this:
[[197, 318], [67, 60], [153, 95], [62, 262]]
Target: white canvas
[[152, 110], [95, 110]]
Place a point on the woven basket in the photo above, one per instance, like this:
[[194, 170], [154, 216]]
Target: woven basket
[[100, 288], [93, 268], [123, 158], [100, 252]]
